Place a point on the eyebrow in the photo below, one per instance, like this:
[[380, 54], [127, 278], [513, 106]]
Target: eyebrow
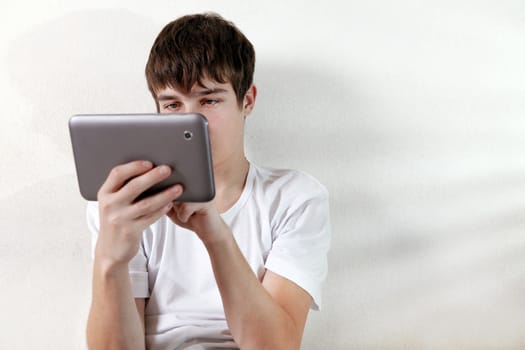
[[210, 91], [197, 93]]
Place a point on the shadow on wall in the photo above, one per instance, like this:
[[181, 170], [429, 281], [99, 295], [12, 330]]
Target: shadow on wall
[[303, 117]]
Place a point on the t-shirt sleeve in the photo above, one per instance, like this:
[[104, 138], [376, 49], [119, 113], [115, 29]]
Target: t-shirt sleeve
[[138, 266], [301, 242]]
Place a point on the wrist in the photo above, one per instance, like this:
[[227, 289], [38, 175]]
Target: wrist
[[108, 267], [221, 236]]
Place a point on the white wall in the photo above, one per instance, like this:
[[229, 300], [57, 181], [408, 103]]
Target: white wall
[[412, 113]]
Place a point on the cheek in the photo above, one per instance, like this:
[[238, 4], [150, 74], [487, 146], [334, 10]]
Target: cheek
[[215, 132], [212, 127], [225, 129], [217, 125]]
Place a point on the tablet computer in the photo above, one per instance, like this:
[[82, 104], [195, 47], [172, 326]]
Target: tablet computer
[[100, 142]]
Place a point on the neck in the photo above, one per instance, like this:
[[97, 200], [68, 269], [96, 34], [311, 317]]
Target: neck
[[230, 177]]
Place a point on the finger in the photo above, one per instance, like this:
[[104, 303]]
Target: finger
[[173, 213], [152, 204], [150, 218], [183, 211], [122, 173], [135, 187]]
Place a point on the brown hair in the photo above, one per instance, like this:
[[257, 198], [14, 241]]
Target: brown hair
[[200, 46]]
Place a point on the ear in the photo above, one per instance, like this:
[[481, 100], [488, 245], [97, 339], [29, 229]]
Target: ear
[[249, 100]]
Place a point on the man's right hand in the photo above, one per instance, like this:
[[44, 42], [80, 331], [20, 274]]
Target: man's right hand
[[122, 219]]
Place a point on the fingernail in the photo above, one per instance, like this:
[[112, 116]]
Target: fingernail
[[146, 164], [176, 189], [164, 169]]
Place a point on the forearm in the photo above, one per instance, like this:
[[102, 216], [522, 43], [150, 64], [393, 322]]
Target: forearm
[[255, 319], [114, 322]]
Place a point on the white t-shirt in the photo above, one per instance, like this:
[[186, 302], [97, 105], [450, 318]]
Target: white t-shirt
[[280, 222]]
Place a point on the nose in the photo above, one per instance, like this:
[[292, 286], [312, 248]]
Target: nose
[[191, 107]]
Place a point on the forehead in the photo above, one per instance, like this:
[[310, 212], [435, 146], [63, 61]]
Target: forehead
[[207, 86]]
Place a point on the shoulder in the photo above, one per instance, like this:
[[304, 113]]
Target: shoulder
[[299, 216], [288, 182], [285, 193]]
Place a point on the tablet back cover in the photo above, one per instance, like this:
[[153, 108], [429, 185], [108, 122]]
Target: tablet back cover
[[181, 141]]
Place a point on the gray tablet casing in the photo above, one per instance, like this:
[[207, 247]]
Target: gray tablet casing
[[100, 142]]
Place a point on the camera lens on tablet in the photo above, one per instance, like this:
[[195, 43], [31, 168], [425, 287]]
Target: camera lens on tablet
[[188, 135]]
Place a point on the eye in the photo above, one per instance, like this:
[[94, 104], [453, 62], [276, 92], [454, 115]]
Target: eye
[[209, 102], [172, 106]]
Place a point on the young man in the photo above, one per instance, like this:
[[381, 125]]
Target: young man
[[241, 271]]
